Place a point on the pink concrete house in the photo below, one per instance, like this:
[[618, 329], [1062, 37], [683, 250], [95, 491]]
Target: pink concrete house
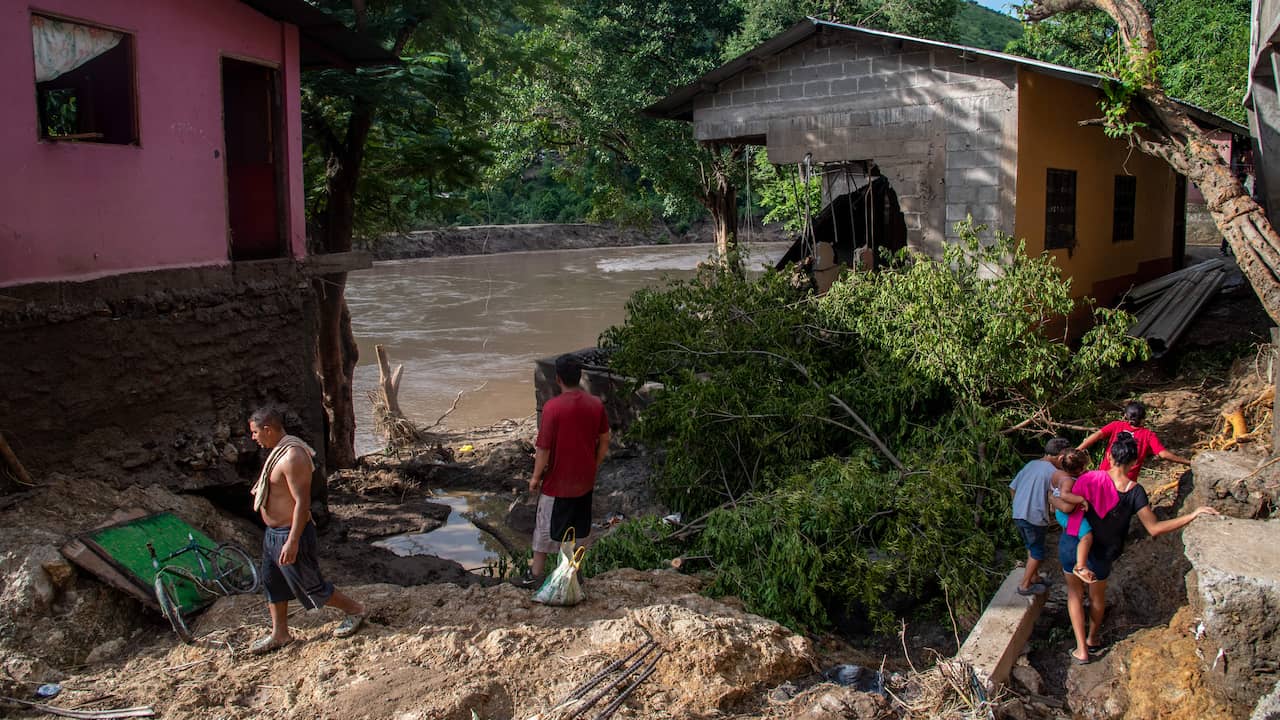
[[154, 287], [151, 134]]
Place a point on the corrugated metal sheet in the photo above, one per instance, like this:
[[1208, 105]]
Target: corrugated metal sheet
[[679, 104]]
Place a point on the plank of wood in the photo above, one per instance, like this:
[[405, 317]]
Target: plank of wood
[[84, 557], [328, 263]]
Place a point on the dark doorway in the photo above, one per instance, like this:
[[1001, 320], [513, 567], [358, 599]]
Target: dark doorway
[[255, 173], [862, 224]]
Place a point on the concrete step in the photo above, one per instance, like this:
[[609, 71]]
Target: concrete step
[[1002, 632]]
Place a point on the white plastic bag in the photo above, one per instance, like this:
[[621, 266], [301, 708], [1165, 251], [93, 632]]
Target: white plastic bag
[[562, 587]]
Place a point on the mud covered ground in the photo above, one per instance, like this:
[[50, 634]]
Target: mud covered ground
[[443, 642]]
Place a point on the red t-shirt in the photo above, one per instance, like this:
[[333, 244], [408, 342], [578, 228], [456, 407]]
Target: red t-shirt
[[1148, 445], [572, 423]]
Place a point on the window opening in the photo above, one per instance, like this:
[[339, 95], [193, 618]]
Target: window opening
[[84, 82], [1126, 199], [1060, 209]]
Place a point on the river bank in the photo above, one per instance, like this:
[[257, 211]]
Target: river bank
[[491, 239]]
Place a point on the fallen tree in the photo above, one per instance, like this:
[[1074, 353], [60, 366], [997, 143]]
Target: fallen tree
[[1158, 126], [845, 457]]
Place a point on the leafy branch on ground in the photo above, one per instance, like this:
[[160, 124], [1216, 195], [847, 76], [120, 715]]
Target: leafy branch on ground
[[851, 451]]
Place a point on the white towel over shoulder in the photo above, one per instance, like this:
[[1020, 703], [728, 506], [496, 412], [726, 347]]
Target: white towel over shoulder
[[263, 485]]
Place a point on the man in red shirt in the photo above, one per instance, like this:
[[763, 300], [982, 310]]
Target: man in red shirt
[[1148, 444], [573, 439]]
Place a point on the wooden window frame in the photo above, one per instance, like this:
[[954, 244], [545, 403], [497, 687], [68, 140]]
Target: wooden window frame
[[130, 41]]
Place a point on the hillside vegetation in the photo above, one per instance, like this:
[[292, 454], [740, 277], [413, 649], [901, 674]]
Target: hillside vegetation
[[980, 27]]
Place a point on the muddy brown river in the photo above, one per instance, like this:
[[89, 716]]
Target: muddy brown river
[[477, 323]]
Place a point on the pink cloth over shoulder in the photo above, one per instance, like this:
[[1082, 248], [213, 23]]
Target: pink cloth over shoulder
[[1097, 488]]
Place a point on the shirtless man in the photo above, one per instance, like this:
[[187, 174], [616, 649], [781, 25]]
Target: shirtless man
[[290, 568]]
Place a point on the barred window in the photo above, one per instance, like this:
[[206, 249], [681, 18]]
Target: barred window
[[1060, 209], [1122, 216]]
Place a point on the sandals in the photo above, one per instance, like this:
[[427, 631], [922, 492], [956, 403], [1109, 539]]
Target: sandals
[[1078, 661], [264, 645], [1086, 575]]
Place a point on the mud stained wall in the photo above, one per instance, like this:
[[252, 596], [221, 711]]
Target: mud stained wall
[[150, 377]]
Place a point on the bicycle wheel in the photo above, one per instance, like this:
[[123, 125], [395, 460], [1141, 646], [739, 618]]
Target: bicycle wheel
[[236, 570], [168, 599]]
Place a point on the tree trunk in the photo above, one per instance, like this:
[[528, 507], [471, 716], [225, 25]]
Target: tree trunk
[[1177, 140], [720, 198], [336, 345], [723, 205]]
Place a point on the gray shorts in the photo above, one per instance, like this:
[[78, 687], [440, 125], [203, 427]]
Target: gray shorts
[[301, 580], [542, 541]]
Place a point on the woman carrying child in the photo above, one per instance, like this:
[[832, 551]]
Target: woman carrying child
[[1113, 499]]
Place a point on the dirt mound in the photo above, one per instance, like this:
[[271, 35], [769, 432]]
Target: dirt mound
[[1154, 673], [51, 613], [441, 651]]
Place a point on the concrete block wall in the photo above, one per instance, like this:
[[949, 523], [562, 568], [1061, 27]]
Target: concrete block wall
[[942, 127]]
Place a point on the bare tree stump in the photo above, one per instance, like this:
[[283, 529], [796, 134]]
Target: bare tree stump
[[389, 381], [14, 464]]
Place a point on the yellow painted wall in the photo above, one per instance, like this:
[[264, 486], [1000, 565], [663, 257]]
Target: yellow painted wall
[[1049, 137]]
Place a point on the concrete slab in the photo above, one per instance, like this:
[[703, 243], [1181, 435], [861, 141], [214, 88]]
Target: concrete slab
[[1002, 632], [1234, 587]]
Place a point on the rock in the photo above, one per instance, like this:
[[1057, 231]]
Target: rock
[[105, 651], [1011, 710], [27, 587], [230, 454], [60, 572], [221, 432], [1268, 708], [838, 703], [1234, 587], [1099, 690], [1227, 482], [1027, 677]]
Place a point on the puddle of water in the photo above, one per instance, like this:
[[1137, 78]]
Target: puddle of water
[[458, 539]]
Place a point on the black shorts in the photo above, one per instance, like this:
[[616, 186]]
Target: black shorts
[[300, 581], [568, 513]]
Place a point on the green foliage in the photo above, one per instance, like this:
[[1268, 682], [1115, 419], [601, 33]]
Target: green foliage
[[640, 543], [782, 195], [599, 63], [972, 349], [427, 142], [1204, 48], [762, 19], [810, 520], [980, 27]]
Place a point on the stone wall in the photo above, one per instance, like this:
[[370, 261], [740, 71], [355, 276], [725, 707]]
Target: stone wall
[[941, 126], [150, 377]]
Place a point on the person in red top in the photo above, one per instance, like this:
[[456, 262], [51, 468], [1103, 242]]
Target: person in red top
[[1148, 443], [573, 439]]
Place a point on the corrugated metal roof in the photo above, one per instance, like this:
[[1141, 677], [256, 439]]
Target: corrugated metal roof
[[325, 41], [679, 104]]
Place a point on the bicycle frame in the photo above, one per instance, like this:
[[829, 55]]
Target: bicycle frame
[[202, 554]]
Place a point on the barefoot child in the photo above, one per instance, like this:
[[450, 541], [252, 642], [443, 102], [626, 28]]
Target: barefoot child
[[1073, 462]]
